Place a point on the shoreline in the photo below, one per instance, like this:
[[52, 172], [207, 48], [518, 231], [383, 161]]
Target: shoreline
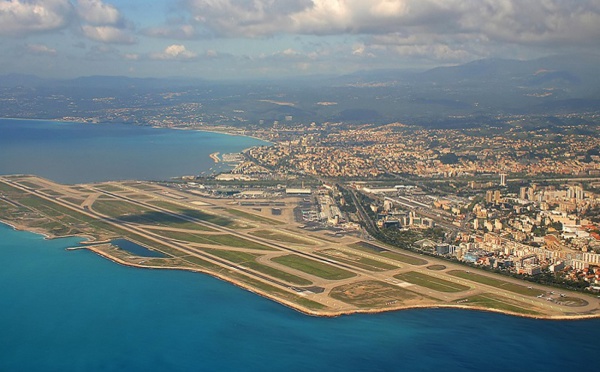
[[213, 156], [214, 131], [150, 126], [47, 236], [313, 305], [334, 314], [303, 310]]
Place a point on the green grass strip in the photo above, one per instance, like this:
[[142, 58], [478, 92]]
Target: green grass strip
[[313, 267], [431, 282], [491, 301], [500, 284]]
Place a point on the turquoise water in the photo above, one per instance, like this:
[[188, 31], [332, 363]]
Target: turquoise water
[[77, 153], [75, 311]]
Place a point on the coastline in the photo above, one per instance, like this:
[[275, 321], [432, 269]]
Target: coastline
[[240, 146], [217, 132], [214, 156], [333, 314], [294, 306], [224, 132], [47, 236]]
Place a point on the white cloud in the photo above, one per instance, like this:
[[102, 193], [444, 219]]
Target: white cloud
[[104, 23], [108, 34], [97, 13], [40, 49], [174, 52], [99, 21], [535, 22], [290, 52], [181, 32], [19, 17], [247, 18], [131, 56]]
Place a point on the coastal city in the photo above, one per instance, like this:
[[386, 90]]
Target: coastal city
[[368, 151], [306, 185], [546, 233], [512, 195]]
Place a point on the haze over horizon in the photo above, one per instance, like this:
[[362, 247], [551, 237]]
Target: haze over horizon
[[267, 38]]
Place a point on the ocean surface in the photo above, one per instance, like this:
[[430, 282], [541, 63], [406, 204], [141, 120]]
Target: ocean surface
[[75, 311], [77, 153]]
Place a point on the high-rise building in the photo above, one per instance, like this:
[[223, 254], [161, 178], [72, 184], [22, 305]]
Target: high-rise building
[[523, 193], [503, 179], [578, 192], [531, 193], [497, 197], [575, 192]]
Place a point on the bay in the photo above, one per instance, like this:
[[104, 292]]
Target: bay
[[71, 153], [74, 311]]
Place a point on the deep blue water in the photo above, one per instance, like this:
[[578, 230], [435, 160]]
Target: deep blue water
[[135, 248], [77, 153], [74, 311]]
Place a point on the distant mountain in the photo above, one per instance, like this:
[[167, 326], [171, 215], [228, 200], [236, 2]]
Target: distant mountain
[[554, 71], [486, 88], [577, 73], [485, 69]]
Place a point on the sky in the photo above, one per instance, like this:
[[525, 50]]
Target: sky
[[230, 39]]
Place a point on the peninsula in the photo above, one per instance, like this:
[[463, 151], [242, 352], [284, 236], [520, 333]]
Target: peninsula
[[262, 245]]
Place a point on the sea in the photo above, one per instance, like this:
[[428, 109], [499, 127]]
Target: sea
[[71, 153], [75, 311]]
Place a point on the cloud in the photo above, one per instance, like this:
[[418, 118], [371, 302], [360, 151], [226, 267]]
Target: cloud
[[97, 13], [40, 49], [104, 23], [131, 56], [180, 32], [108, 34], [361, 50], [247, 18], [289, 52], [20, 18], [174, 52], [98, 21], [532, 22]]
